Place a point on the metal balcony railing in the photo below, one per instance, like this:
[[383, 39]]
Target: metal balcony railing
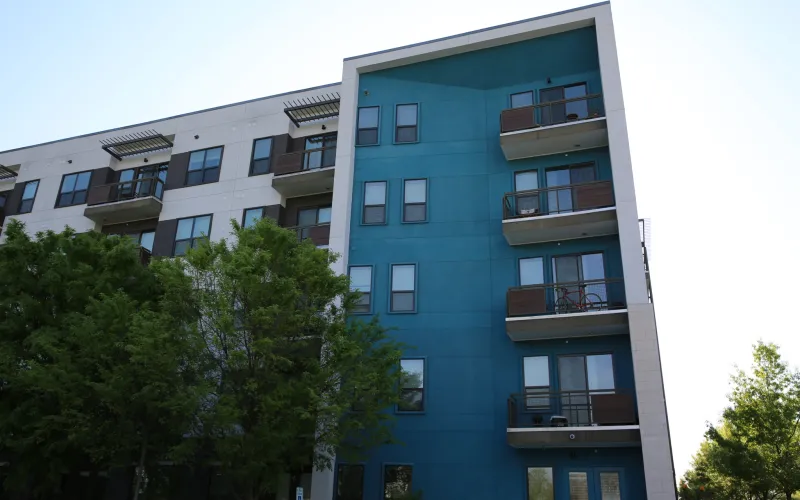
[[309, 159], [552, 113], [558, 200], [566, 298], [319, 234], [126, 190], [538, 407]]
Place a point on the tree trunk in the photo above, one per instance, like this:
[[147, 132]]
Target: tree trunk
[[139, 471]]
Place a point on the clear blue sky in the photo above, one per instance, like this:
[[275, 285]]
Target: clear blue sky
[[711, 115]]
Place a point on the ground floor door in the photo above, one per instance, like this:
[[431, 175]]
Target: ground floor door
[[593, 484]]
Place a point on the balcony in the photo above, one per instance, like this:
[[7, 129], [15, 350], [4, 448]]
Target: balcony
[[553, 127], [572, 419], [559, 213], [125, 201], [318, 234], [302, 173], [587, 308]]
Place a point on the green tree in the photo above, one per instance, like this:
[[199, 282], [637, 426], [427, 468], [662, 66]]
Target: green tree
[[94, 369], [294, 382]]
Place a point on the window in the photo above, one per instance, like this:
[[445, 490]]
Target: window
[[522, 99], [406, 123], [578, 486], [540, 483], [412, 391], [367, 133], [309, 217], [564, 111], [320, 152], [73, 189], [204, 166], [361, 282], [580, 377], [349, 482], [609, 486], [252, 215], [561, 200], [526, 197], [536, 374], [396, 481], [28, 195], [374, 203], [144, 239], [190, 233], [142, 181], [581, 282], [403, 288], [262, 150], [415, 200], [531, 271]]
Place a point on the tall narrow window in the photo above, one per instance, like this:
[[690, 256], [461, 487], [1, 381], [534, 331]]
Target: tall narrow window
[[374, 203], [522, 99], [349, 482], [536, 370], [262, 151], [406, 119], [367, 133], [190, 233], [74, 188], [415, 200], [28, 195], [578, 486], [540, 483], [526, 185], [397, 481], [204, 166], [361, 282], [146, 239], [252, 216], [403, 288], [412, 393], [531, 271], [609, 486], [126, 184], [320, 152], [579, 378]]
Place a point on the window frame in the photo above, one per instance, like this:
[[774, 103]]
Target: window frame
[[424, 392], [511, 99], [191, 240], [377, 129], [549, 387], [543, 260], [244, 213], [553, 479], [371, 287], [23, 199], [384, 466], [585, 355], [360, 465], [253, 156], [203, 170], [385, 204], [59, 194], [425, 204], [398, 127], [392, 291]]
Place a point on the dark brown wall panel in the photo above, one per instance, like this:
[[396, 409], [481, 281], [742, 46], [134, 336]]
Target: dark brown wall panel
[[14, 197], [176, 172], [165, 237], [274, 212]]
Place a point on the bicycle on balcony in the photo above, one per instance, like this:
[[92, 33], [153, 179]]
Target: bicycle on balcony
[[575, 299]]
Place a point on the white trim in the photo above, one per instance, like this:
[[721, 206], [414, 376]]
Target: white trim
[[552, 127], [574, 429], [566, 316], [556, 216]]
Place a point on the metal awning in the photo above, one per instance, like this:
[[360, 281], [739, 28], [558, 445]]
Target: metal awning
[[6, 173], [135, 144], [312, 108]]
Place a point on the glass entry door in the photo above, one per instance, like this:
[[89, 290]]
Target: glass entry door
[[594, 484], [564, 111]]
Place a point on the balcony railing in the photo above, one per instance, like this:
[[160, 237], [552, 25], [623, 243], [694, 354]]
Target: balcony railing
[[558, 200], [126, 190], [566, 298], [541, 408], [299, 161], [552, 113], [319, 234]]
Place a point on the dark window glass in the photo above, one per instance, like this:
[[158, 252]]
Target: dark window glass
[[522, 99], [126, 176], [28, 195], [262, 151], [406, 123], [309, 217], [361, 282], [146, 240], [374, 202], [191, 232], [415, 200], [367, 128], [396, 481], [74, 188], [403, 288], [252, 215], [560, 112], [349, 482], [412, 394], [204, 166]]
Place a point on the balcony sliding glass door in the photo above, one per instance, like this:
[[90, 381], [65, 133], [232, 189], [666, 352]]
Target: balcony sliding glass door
[[582, 278], [579, 378], [563, 111], [562, 200]]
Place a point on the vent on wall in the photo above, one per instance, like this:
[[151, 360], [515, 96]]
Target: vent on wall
[[312, 108], [134, 144]]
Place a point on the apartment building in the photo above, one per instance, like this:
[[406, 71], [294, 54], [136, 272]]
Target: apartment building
[[479, 190]]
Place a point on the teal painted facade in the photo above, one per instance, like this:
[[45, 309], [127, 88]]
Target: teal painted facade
[[458, 446]]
